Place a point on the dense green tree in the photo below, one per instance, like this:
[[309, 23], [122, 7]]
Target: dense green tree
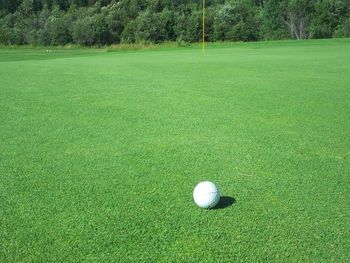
[[328, 15], [9, 5], [24, 26], [343, 29], [188, 27], [236, 22], [7, 30], [272, 25], [288, 15], [43, 33], [58, 27], [115, 20], [150, 27], [90, 29]]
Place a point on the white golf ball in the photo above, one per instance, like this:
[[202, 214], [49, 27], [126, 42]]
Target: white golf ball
[[206, 195]]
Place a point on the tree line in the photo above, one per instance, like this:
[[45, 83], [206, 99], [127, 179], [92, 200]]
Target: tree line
[[105, 22]]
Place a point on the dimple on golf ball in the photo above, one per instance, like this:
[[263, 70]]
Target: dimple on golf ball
[[206, 195]]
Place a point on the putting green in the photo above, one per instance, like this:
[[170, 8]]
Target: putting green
[[100, 152]]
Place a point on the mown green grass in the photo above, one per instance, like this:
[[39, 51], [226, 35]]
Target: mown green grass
[[100, 152]]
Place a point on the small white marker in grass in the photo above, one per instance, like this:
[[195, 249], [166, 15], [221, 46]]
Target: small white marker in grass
[[206, 195]]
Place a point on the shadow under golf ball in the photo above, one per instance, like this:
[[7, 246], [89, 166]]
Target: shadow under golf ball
[[225, 201]]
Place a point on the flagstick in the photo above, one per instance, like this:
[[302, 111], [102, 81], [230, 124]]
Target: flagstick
[[203, 27]]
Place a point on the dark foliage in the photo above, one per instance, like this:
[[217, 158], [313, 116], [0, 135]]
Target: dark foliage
[[104, 22]]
